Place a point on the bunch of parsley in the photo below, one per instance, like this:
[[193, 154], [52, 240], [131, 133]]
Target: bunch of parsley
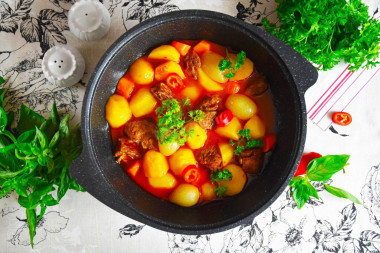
[[249, 142], [328, 31], [218, 176], [226, 63], [35, 159]]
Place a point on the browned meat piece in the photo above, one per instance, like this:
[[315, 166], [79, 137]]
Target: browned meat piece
[[192, 63], [162, 92], [251, 160], [209, 103], [210, 157], [143, 132], [208, 120], [257, 87], [126, 151]]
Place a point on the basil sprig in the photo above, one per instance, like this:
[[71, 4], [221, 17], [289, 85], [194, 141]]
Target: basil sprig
[[319, 169]]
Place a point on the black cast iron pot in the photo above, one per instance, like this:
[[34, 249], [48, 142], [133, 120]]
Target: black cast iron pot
[[289, 75]]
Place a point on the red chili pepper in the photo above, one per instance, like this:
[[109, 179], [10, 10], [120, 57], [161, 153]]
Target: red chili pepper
[[305, 160], [224, 118], [269, 142], [342, 118], [134, 168], [174, 81], [191, 174], [232, 87]]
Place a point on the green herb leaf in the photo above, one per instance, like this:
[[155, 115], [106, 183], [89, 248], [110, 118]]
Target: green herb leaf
[[32, 223], [1, 82], [221, 190], [226, 64], [322, 169], [302, 190], [341, 193], [220, 175], [28, 119]]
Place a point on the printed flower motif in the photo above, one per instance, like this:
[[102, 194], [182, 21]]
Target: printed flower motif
[[255, 11], [187, 243], [293, 231], [9, 204], [371, 195]]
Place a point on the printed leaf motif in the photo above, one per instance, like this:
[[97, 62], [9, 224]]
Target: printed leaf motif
[[344, 227], [9, 26], [23, 5], [29, 30], [57, 19], [324, 230], [370, 195], [5, 10], [135, 11], [370, 240], [331, 245], [315, 202], [257, 238], [319, 185], [352, 246], [130, 229], [51, 35]]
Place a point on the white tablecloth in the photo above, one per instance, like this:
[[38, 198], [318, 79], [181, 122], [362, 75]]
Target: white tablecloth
[[81, 223]]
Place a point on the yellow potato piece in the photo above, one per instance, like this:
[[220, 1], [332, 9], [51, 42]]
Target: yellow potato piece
[[257, 127], [185, 195], [142, 72], [164, 52], [227, 152], [118, 111], [245, 70], [168, 148], [192, 92], [142, 102], [180, 160], [241, 106], [230, 131], [163, 70], [208, 192], [167, 181], [237, 183], [155, 164], [199, 137], [207, 82], [210, 65]]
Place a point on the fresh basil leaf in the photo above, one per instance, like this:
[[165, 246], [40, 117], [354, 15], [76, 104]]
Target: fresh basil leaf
[[20, 188], [42, 211], [50, 164], [322, 169], [2, 91], [24, 201], [11, 117], [7, 148], [27, 136], [64, 183], [1, 80], [48, 200], [341, 193], [54, 140], [3, 119], [9, 135], [25, 148], [7, 160], [32, 223], [42, 139], [6, 188], [75, 186], [302, 190], [54, 116], [29, 119], [10, 174]]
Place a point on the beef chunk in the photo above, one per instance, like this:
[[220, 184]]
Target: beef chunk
[[192, 63], [127, 150], [143, 132], [257, 87], [251, 160], [209, 103], [208, 120], [161, 92], [210, 157]]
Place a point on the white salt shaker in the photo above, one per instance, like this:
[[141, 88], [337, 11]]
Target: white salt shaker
[[89, 20], [63, 65]]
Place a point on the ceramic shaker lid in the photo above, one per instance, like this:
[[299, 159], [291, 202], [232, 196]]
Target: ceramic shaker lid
[[63, 65], [89, 20]]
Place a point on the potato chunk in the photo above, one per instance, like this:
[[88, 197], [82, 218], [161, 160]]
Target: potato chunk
[[245, 70], [164, 52], [257, 127], [142, 71], [168, 148], [155, 164], [210, 65], [199, 137], [230, 131], [185, 195], [241, 106], [180, 160], [163, 70], [118, 111], [208, 192], [193, 92], [227, 152], [207, 82], [167, 181], [142, 103], [237, 183]]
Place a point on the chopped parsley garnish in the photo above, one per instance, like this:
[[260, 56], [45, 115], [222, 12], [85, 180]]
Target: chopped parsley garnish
[[220, 175], [171, 121], [226, 63], [249, 142]]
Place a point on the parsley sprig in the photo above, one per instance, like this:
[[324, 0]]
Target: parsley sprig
[[249, 142], [226, 63], [343, 31], [218, 176], [171, 121]]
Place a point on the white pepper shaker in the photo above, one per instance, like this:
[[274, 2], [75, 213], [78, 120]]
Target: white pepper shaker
[[89, 20], [63, 65]]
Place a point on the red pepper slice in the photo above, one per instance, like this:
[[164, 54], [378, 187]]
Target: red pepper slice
[[232, 87], [134, 168], [305, 160], [342, 118], [191, 174], [224, 118], [174, 81], [269, 142]]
